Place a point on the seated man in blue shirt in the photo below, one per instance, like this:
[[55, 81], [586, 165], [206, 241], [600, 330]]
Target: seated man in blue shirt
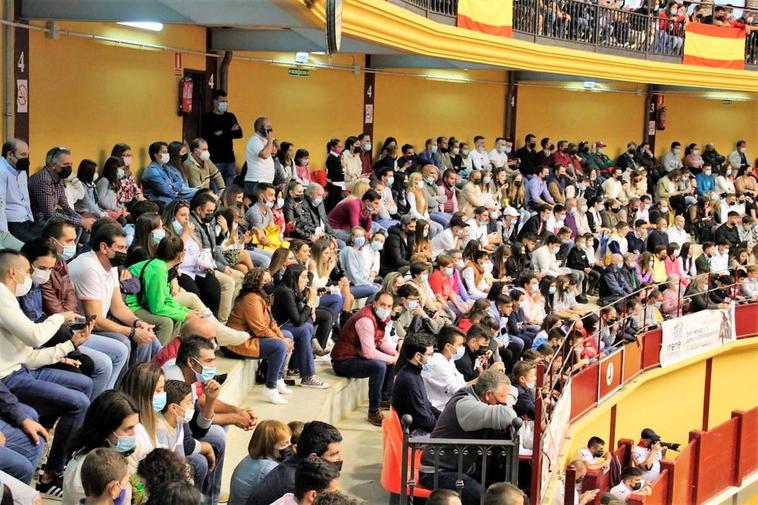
[[163, 182]]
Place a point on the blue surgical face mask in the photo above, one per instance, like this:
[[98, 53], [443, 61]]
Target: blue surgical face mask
[[448, 271], [223, 106], [159, 401], [459, 353], [424, 277], [360, 241], [69, 252], [382, 314], [428, 366], [377, 246], [121, 498], [125, 443], [178, 228], [411, 305], [552, 290], [317, 201], [208, 373], [390, 181], [158, 235]]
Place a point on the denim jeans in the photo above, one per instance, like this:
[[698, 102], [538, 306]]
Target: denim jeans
[[109, 356], [228, 171], [199, 469], [443, 218], [20, 457], [472, 489], [384, 224], [273, 350], [54, 393], [259, 257], [303, 352], [216, 437], [365, 290], [378, 372], [333, 303], [139, 353]]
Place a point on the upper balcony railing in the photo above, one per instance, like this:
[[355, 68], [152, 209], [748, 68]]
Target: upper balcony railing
[[586, 25]]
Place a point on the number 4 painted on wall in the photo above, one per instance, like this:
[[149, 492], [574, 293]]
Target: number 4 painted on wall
[[21, 65], [210, 81], [369, 91]]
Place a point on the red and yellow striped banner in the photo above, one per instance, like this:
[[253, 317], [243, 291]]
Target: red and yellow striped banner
[[714, 46], [494, 17]]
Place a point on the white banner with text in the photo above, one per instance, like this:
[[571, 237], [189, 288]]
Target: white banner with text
[[693, 334]]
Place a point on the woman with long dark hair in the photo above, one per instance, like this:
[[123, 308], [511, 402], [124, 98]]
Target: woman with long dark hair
[[148, 233], [252, 314], [296, 304], [111, 421]]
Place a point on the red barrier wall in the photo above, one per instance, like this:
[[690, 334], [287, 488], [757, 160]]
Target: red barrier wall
[[610, 374], [651, 348], [682, 489], [717, 464], [632, 360], [584, 391], [747, 451], [746, 320]]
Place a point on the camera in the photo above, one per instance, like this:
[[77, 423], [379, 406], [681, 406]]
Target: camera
[[670, 445]]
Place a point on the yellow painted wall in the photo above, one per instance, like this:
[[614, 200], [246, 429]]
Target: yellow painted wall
[[412, 109], [88, 95], [598, 426], [306, 111], [701, 120], [575, 115], [729, 390]]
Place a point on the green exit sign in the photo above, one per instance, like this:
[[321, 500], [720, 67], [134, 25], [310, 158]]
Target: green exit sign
[[299, 72]]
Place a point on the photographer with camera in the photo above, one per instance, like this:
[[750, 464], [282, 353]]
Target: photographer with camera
[[649, 452]]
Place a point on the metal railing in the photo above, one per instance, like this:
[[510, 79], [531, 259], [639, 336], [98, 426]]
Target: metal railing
[[502, 453], [639, 32]]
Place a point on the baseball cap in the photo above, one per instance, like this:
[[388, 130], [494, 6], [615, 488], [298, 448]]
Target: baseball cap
[[510, 211], [458, 221], [599, 143], [649, 434]]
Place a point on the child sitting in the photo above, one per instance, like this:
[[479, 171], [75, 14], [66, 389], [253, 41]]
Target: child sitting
[[105, 477]]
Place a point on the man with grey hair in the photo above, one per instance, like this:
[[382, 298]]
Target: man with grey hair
[[16, 219], [48, 193], [469, 414], [310, 221]]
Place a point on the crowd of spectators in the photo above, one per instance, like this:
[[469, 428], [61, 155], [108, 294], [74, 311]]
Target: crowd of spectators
[[443, 274]]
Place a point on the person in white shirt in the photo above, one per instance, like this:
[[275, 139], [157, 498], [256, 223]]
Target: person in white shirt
[[631, 482], [647, 455], [441, 378], [720, 259], [612, 186], [730, 204], [498, 156], [478, 156], [557, 219], [677, 234], [595, 455], [544, 260], [450, 238], [478, 227], [259, 155], [312, 476]]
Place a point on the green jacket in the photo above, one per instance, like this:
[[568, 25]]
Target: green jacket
[[155, 291]]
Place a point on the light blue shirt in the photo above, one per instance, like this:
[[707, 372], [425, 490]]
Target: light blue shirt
[[536, 189], [15, 205], [246, 476]]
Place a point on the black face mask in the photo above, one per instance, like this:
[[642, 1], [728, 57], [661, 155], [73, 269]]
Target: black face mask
[[297, 199], [64, 173], [208, 219], [118, 259], [480, 352], [269, 288], [637, 486], [185, 157], [22, 164], [338, 465], [532, 145], [285, 453]]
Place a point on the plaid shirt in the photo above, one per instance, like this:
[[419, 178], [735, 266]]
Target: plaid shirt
[[128, 190], [48, 195]]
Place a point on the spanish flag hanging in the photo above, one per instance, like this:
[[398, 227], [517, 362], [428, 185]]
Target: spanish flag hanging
[[487, 16], [714, 46]]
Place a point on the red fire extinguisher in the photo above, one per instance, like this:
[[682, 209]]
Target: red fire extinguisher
[[185, 96]]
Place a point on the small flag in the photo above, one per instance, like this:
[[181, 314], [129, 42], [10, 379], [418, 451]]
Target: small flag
[[494, 17], [714, 46]]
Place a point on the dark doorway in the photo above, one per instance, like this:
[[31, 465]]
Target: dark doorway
[[191, 126]]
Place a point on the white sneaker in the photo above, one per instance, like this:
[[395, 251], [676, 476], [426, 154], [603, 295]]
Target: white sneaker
[[282, 388], [273, 396]]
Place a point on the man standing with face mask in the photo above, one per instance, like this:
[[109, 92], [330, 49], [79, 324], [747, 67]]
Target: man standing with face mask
[[469, 414], [47, 190], [220, 128], [16, 219], [260, 157], [409, 393]]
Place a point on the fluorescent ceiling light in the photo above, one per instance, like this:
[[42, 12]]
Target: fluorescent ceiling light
[[319, 53], [143, 25]]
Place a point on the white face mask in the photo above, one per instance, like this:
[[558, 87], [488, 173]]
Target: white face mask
[[164, 158], [189, 414], [205, 155], [23, 288], [40, 277], [127, 160]]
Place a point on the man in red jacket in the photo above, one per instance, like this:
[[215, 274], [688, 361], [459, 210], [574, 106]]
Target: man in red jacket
[[364, 349]]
